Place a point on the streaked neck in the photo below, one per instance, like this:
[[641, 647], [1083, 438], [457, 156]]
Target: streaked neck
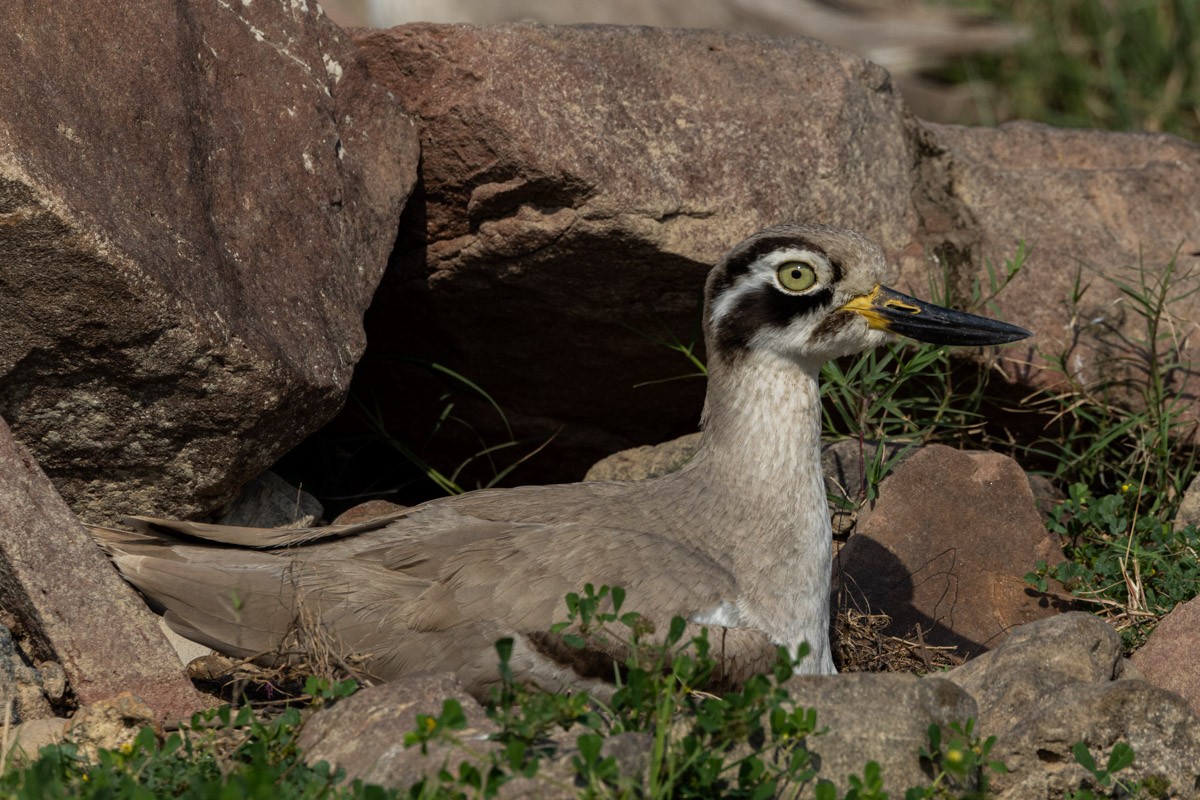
[[761, 457]]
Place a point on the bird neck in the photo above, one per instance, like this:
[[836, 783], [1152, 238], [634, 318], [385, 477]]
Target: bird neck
[[762, 429], [760, 458]]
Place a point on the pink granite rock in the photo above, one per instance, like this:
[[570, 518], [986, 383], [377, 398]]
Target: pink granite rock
[[197, 201]]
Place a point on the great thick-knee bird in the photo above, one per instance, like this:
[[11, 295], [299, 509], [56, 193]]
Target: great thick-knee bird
[[737, 540]]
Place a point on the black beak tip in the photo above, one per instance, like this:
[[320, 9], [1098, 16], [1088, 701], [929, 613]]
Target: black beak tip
[[1016, 334]]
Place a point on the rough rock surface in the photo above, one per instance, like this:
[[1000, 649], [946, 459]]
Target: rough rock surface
[[645, 462], [1189, 507], [195, 209], [878, 717], [1062, 680], [23, 689], [907, 38], [109, 723], [75, 610], [1089, 204], [1034, 662], [1051, 684], [29, 737], [1168, 658], [364, 734], [578, 182], [945, 547], [1158, 725]]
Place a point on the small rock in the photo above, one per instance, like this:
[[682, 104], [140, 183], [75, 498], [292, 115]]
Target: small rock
[[28, 738], [556, 778], [946, 547], [269, 501], [53, 679], [1034, 663], [648, 461], [1168, 658], [367, 511], [108, 724], [364, 734], [883, 717]]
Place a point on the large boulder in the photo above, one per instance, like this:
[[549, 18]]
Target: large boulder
[[578, 182], [196, 204], [1096, 210]]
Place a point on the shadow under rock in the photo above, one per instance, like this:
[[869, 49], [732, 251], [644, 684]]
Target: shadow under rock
[[870, 579]]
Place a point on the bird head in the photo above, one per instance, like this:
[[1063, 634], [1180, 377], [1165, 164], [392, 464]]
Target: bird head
[[810, 293]]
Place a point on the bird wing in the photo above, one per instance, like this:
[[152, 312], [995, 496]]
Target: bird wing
[[433, 589]]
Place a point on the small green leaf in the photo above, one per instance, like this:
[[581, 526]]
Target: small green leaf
[[824, 790], [1120, 758], [675, 633], [1083, 756]]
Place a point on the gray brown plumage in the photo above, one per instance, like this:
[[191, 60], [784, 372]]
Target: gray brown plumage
[[737, 540]]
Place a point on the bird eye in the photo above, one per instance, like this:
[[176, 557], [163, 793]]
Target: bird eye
[[797, 276]]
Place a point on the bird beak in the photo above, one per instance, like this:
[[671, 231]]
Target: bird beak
[[888, 310]]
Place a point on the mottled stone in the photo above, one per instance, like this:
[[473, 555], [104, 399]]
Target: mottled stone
[[1168, 658], [269, 501], [1036, 661], [195, 209], [878, 717], [75, 610], [364, 734]]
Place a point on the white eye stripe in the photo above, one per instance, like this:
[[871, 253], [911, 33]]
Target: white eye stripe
[[764, 271]]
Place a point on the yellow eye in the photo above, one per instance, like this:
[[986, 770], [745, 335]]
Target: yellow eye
[[797, 276]]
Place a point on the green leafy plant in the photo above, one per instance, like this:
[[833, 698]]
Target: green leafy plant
[[702, 745], [1119, 758], [221, 754], [748, 743], [1134, 422], [960, 762], [1135, 567]]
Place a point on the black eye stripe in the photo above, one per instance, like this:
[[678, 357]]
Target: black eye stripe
[[765, 308]]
